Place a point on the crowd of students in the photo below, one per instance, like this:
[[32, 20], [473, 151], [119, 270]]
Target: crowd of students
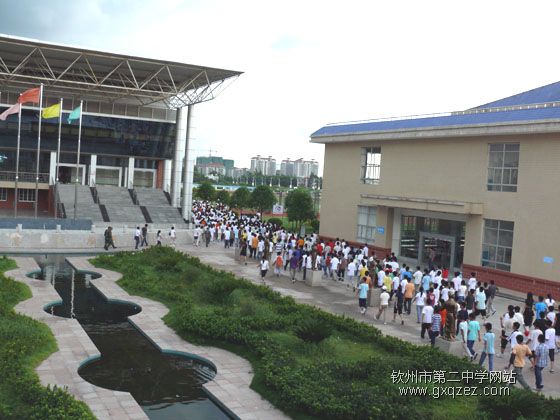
[[447, 306]]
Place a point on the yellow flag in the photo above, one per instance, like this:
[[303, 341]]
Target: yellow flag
[[51, 111]]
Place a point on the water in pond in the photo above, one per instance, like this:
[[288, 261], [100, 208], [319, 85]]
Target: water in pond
[[167, 386]]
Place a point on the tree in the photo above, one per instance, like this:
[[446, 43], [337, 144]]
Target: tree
[[223, 197], [299, 206], [240, 198], [206, 191], [262, 198]]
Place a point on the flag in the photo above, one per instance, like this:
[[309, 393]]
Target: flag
[[74, 115], [14, 109], [31, 95], [51, 111]]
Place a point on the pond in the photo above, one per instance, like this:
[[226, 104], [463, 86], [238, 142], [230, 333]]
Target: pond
[[166, 385]]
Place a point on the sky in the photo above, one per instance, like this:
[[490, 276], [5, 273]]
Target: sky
[[308, 63]]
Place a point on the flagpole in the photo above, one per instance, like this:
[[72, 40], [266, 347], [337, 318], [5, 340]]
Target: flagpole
[[78, 163], [57, 162], [16, 194], [38, 151]]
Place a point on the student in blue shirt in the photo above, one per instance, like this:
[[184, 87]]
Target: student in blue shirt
[[540, 307], [362, 295], [473, 334], [426, 280], [488, 349]]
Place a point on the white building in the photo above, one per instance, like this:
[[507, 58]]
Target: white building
[[265, 166]]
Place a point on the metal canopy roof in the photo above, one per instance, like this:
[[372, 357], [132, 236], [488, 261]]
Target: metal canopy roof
[[100, 76]]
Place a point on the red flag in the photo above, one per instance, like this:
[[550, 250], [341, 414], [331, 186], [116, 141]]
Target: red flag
[[31, 95], [14, 109]]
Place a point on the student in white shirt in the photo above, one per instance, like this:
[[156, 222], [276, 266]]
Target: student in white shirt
[[456, 281], [550, 341], [383, 304], [419, 301], [351, 275], [427, 313], [472, 281], [264, 267], [417, 277]]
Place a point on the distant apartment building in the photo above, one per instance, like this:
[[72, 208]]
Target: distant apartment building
[[265, 166], [299, 168], [238, 172]]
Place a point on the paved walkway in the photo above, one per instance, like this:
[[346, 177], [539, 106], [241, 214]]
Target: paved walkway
[[230, 386], [335, 297]]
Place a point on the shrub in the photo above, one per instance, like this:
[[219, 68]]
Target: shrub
[[313, 330], [276, 220], [315, 225]]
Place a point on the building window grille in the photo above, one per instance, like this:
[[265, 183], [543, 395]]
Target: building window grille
[[3, 194], [503, 166], [371, 165], [26, 195], [497, 244], [366, 224]]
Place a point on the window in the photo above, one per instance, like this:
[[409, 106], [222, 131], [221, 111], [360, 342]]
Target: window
[[26, 194], [371, 165], [503, 163], [497, 244], [3, 194], [366, 224]]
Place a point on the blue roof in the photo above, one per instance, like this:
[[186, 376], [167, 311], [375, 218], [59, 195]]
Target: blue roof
[[540, 95], [482, 118]]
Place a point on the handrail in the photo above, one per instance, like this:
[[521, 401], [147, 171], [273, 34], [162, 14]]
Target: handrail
[[24, 176]]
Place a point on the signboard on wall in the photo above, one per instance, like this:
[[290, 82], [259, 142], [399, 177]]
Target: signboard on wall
[[381, 229], [277, 209]]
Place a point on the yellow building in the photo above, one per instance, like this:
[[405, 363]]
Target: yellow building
[[476, 190]]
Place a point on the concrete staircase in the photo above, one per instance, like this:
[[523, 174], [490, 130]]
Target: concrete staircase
[[87, 209], [158, 206], [119, 205]]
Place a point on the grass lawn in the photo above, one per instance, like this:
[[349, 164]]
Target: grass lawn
[[24, 343], [307, 362]]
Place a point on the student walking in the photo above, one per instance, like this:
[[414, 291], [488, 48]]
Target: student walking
[[137, 235], [278, 264], [488, 347], [362, 296], [144, 236], [420, 301], [427, 314], [540, 361], [264, 268], [109, 238], [158, 238], [383, 304], [435, 328], [173, 236], [473, 334], [517, 359]]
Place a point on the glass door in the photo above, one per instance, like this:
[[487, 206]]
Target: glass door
[[437, 250]]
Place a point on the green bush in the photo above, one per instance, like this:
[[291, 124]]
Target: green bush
[[276, 220], [315, 225], [312, 330]]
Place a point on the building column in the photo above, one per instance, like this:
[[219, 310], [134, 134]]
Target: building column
[[177, 170], [474, 233], [167, 166], [92, 170], [130, 180], [52, 169], [188, 171]]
